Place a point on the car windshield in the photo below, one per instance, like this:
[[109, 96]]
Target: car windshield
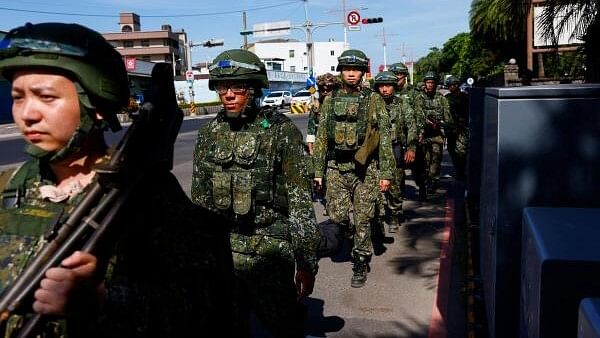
[[302, 94], [275, 94]]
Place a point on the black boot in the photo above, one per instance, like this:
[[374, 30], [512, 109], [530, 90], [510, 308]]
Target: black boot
[[360, 268], [393, 223]]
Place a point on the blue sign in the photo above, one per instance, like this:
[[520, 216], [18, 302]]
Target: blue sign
[[310, 82]]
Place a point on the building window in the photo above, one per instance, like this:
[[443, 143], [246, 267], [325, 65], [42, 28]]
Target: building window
[[291, 53], [332, 52], [127, 44], [306, 68], [292, 68], [145, 58], [333, 68], [145, 43], [126, 29]]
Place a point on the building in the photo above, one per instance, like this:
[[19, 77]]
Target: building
[[291, 55], [164, 45]]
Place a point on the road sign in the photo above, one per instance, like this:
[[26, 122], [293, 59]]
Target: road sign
[[353, 27], [353, 17], [130, 63], [189, 75]]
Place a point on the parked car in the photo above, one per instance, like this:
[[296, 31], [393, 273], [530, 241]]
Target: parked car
[[302, 96], [277, 98]]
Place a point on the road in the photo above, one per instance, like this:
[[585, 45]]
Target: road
[[403, 296]]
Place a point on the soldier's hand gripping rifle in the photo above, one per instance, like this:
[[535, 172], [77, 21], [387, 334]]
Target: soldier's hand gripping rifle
[[146, 147]]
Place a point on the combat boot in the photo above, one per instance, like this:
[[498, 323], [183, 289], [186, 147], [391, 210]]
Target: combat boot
[[360, 268], [393, 224]]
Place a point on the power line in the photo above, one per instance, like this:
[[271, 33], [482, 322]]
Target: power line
[[150, 16]]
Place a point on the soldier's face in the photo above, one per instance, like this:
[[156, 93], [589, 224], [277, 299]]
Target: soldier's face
[[430, 86], [453, 88], [45, 108], [386, 90], [401, 80], [352, 75], [234, 97]]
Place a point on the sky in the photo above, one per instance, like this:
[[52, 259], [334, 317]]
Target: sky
[[410, 27]]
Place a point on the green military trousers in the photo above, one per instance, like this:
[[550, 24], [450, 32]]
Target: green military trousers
[[347, 192]]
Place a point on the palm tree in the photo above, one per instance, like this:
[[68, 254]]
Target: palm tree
[[501, 26], [580, 17]]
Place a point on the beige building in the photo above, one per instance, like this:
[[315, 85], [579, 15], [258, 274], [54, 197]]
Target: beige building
[[164, 45]]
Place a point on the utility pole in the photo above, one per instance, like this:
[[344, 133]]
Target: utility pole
[[384, 37], [245, 24], [410, 66]]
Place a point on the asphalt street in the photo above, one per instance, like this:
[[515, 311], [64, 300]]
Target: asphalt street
[[414, 287]]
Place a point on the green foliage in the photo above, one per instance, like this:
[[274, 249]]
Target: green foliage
[[463, 57]]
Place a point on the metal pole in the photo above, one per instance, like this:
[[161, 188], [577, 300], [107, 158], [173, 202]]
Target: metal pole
[[384, 53], [173, 62], [345, 24], [245, 28]]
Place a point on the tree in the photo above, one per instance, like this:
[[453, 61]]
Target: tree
[[501, 26], [580, 17]]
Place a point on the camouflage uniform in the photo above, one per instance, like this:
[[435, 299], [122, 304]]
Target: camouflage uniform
[[404, 137], [409, 93], [435, 111], [252, 170], [458, 136], [350, 187], [159, 281]]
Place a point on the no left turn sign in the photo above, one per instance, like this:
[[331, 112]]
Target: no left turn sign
[[353, 17]]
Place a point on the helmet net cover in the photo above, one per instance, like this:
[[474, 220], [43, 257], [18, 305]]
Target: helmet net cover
[[399, 68], [386, 77], [327, 79], [353, 57], [78, 50], [237, 65]]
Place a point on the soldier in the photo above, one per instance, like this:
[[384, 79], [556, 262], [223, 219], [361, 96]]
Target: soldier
[[326, 84], [436, 113], [68, 83], [458, 137], [404, 88], [352, 119], [250, 166], [404, 144]]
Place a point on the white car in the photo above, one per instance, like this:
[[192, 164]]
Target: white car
[[278, 98], [301, 97]]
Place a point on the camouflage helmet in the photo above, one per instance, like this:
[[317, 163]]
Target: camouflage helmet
[[430, 76], [77, 50], [328, 79], [398, 68], [386, 77], [452, 80], [353, 57], [237, 64]]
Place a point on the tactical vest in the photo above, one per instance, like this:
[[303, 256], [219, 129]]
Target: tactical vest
[[432, 108], [243, 168], [395, 113], [347, 123], [26, 222]]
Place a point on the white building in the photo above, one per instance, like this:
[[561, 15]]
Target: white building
[[291, 55]]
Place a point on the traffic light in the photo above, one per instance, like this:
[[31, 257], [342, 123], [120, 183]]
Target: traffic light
[[372, 20]]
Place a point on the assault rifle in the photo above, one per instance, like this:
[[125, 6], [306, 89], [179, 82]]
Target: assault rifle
[[146, 147]]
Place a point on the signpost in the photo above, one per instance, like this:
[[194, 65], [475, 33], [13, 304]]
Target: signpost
[[353, 20]]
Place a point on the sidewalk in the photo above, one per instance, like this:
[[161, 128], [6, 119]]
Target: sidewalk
[[414, 288]]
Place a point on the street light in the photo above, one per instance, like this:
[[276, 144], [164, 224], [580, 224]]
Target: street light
[[207, 43]]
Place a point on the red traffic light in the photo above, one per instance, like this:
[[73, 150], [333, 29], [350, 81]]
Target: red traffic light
[[372, 20]]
